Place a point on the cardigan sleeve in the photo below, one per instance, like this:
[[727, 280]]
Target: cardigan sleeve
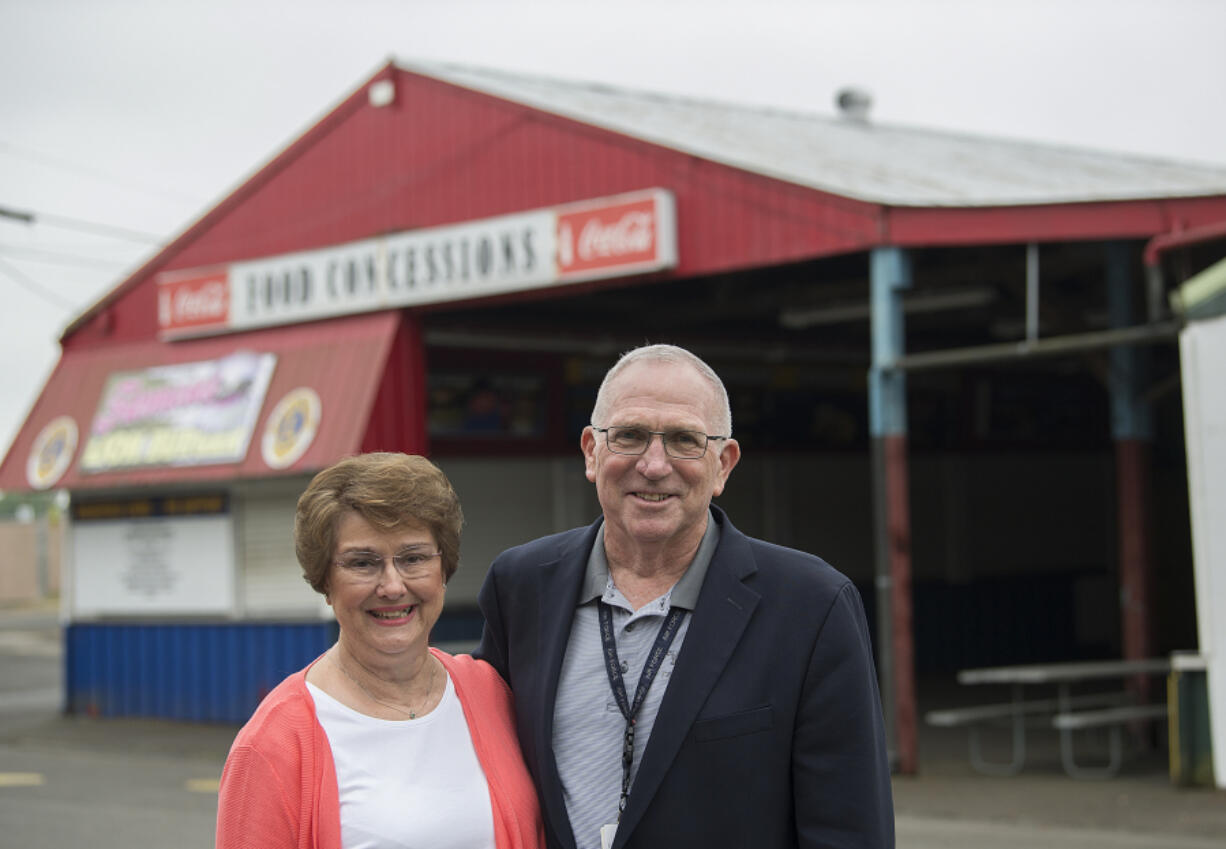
[[255, 810], [278, 788]]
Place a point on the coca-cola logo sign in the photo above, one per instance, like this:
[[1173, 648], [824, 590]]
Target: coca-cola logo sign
[[594, 240], [631, 234], [194, 302], [206, 303]]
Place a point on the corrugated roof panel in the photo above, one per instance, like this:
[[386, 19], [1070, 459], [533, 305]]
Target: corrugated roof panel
[[891, 165], [342, 360]]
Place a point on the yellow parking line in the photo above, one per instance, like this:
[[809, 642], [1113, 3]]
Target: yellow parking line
[[202, 785], [21, 779]]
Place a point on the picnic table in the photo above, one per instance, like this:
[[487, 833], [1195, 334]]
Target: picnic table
[[1067, 712]]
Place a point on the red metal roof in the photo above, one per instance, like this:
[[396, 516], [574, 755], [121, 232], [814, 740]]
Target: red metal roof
[[342, 360], [442, 154], [449, 150]]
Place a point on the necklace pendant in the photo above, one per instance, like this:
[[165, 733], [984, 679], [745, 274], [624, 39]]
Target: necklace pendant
[[412, 714]]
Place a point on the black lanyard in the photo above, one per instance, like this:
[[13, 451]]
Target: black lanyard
[[664, 639]]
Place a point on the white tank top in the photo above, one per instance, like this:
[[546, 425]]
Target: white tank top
[[407, 784]]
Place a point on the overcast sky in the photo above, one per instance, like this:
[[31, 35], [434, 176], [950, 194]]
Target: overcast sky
[[142, 114]]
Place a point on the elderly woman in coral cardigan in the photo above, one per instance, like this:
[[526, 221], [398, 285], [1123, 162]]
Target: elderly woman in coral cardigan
[[381, 741]]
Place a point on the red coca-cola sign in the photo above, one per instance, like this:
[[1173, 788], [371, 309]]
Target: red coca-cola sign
[[631, 233], [194, 302]]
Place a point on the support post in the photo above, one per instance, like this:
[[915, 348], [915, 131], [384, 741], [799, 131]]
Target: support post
[[1132, 431], [890, 275], [1032, 292]]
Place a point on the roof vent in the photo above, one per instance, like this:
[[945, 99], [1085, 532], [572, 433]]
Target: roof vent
[[854, 104]]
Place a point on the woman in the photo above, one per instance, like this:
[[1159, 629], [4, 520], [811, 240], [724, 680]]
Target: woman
[[381, 741]]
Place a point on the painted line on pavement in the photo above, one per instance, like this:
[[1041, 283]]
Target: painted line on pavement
[[21, 779], [202, 785]]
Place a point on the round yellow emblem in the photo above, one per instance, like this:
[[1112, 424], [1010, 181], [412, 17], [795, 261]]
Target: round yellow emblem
[[291, 427]]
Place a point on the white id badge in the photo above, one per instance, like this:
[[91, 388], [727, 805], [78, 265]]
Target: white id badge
[[607, 833]]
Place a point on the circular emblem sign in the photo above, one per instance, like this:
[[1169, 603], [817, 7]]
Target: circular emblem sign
[[52, 452], [291, 428]]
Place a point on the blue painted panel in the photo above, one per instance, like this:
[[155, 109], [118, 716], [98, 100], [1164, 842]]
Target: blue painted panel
[[202, 673]]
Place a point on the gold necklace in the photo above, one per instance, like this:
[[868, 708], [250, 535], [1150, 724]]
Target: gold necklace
[[410, 713]]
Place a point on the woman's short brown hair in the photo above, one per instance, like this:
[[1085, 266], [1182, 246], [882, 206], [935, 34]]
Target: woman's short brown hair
[[390, 491]]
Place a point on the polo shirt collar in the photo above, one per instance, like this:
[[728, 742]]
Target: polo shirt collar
[[683, 594]]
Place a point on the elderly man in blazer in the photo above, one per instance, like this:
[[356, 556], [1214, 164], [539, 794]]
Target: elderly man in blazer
[[677, 683]]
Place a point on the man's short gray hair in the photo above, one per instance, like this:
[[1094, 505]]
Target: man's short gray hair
[[722, 423]]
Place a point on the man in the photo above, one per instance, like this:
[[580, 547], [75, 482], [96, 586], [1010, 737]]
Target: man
[[677, 683]]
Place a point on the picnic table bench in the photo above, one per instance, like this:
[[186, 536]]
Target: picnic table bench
[[1066, 713]]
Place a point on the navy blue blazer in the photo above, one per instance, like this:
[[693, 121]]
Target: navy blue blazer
[[770, 733]]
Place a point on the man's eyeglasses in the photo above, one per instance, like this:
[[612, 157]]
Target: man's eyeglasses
[[411, 564], [679, 444]]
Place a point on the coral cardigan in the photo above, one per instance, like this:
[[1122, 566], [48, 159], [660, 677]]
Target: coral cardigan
[[278, 788]]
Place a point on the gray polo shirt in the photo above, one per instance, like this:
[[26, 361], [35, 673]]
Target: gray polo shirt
[[588, 727]]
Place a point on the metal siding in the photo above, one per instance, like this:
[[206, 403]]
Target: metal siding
[[754, 187], [443, 154], [201, 673], [397, 420], [506, 502], [270, 582]]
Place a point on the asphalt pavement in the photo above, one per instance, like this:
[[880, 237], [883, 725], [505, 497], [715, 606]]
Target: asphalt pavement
[[68, 781]]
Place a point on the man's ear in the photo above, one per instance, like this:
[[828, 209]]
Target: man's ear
[[587, 444], [728, 458]]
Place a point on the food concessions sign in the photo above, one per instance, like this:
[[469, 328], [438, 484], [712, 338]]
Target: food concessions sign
[[189, 414], [609, 237]]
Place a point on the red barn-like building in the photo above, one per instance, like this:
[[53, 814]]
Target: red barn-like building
[[944, 343]]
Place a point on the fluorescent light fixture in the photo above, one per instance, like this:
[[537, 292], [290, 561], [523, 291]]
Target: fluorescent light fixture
[[799, 319]]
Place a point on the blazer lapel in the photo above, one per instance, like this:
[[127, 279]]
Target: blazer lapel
[[557, 595], [725, 606]]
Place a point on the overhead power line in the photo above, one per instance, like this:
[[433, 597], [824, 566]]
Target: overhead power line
[[60, 258], [35, 288], [89, 171], [95, 227], [27, 217]]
